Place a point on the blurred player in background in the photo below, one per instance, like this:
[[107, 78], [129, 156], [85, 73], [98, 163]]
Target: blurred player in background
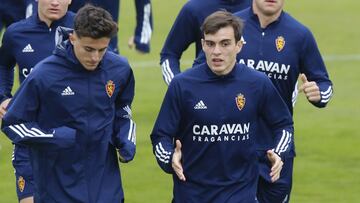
[[25, 43], [144, 22]]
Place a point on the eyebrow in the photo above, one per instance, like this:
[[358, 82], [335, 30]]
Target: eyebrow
[[224, 40], [91, 48]]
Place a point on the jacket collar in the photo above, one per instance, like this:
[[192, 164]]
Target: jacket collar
[[255, 18], [212, 75], [54, 24]]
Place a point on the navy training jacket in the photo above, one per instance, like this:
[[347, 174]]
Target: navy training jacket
[[25, 43], [74, 120], [282, 51], [216, 118]]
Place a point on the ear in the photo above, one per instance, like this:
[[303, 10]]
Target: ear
[[72, 38], [202, 43], [239, 45]]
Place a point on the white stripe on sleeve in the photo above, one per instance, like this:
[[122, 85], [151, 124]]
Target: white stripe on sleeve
[[161, 154], [166, 71], [23, 131], [284, 142], [130, 130]]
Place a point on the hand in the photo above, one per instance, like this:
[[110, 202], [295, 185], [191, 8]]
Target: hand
[[176, 161], [3, 107], [276, 165], [132, 45], [310, 89]]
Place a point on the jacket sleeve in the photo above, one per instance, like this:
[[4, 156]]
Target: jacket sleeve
[[166, 127], [182, 34], [21, 126], [124, 137], [312, 65], [277, 116], [7, 64], [144, 25]]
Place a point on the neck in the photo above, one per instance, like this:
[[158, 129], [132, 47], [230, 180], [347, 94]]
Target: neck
[[264, 19], [47, 21], [226, 71]]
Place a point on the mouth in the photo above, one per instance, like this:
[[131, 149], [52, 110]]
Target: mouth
[[53, 10], [92, 64], [217, 61]]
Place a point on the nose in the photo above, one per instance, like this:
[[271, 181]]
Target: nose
[[217, 50], [55, 2], [95, 56]]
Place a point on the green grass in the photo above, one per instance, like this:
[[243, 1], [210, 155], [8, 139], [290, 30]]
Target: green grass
[[327, 168]]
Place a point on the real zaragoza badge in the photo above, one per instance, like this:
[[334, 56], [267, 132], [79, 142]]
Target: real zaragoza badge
[[110, 88], [280, 43], [21, 183], [240, 101]]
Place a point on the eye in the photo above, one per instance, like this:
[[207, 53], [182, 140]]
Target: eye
[[102, 50], [210, 43], [225, 43], [88, 49]]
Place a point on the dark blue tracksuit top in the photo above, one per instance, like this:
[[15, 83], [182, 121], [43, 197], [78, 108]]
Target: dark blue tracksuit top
[[282, 51], [216, 118], [74, 120], [25, 43]]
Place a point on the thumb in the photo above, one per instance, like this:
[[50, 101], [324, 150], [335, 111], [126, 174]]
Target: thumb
[[270, 155], [178, 145], [303, 78]]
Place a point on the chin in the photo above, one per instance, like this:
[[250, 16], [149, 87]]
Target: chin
[[90, 68], [217, 69]]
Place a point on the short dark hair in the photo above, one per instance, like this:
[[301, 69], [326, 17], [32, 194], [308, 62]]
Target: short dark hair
[[94, 22], [221, 19]]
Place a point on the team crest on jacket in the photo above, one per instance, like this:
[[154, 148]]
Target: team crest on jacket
[[21, 183], [280, 43], [240, 101], [110, 88]]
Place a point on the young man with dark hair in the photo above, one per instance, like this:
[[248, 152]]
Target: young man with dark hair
[[284, 49], [215, 157], [25, 43], [186, 30], [74, 113]]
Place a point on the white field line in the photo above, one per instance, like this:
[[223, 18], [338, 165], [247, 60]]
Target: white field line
[[336, 57], [188, 63]]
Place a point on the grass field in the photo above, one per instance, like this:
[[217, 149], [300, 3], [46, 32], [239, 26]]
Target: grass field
[[327, 168]]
